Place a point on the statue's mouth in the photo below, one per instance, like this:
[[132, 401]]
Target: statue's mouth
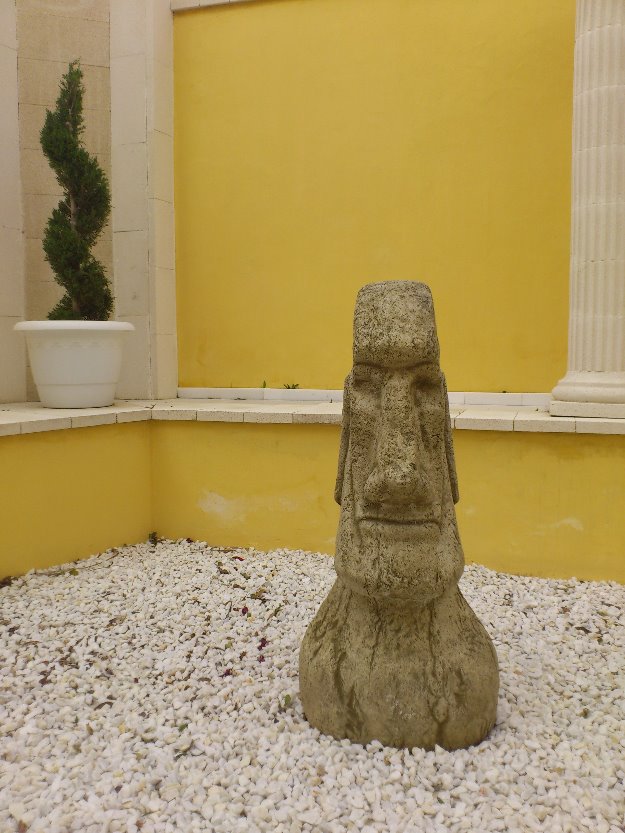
[[396, 516], [403, 525]]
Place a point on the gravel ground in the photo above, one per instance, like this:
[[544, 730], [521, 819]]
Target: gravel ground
[[154, 688]]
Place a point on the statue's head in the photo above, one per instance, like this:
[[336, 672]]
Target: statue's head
[[396, 483]]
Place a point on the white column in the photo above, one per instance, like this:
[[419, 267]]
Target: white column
[[595, 381], [143, 193]]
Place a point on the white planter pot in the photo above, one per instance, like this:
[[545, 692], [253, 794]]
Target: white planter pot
[[75, 364]]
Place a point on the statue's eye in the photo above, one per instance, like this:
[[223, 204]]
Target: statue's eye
[[367, 388], [428, 395]]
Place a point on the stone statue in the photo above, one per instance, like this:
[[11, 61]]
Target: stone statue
[[395, 653]]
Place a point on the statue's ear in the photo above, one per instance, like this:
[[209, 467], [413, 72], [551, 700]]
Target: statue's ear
[[338, 488], [449, 448]]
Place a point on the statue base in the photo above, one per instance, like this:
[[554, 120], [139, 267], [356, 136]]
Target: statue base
[[407, 676]]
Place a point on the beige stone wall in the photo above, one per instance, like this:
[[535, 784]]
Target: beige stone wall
[[50, 34], [126, 45], [143, 194], [12, 353]]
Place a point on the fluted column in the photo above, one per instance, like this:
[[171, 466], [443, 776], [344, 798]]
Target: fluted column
[[595, 381]]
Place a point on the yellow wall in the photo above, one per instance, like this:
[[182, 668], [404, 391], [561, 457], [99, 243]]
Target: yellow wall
[[543, 504], [68, 494], [246, 485], [535, 504], [322, 144]]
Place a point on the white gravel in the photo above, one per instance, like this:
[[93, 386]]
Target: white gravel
[[155, 689]]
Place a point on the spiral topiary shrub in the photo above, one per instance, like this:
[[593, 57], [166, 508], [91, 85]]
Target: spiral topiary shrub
[[77, 221]]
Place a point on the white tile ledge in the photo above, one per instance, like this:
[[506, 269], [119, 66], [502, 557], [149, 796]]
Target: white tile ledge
[[185, 5], [537, 400], [30, 417]]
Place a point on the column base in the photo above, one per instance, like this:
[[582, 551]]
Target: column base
[[590, 393], [606, 410]]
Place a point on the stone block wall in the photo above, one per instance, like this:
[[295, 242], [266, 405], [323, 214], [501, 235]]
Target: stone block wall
[[50, 34], [126, 51], [12, 353]]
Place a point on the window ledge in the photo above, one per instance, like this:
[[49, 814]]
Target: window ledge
[[30, 417]]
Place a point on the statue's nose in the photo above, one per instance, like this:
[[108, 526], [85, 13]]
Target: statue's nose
[[397, 475]]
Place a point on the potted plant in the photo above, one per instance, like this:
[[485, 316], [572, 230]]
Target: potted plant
[[75, 355]]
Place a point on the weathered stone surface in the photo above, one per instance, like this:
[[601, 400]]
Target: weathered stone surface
[[395, 653]]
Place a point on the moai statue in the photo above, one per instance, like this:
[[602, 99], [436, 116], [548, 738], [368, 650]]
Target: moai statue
[[395, 653]]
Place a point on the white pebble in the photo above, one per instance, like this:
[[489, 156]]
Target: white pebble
[[134, 690]]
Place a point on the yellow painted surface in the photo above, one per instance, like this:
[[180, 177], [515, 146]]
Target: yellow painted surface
[[323, 144], [69, 494], [543, 504], [534, 504], [246, 485]]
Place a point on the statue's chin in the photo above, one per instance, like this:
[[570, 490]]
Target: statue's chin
[[393, 598], [412, 563]]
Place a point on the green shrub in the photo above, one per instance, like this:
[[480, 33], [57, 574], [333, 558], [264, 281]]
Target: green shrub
[[80, 216]]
